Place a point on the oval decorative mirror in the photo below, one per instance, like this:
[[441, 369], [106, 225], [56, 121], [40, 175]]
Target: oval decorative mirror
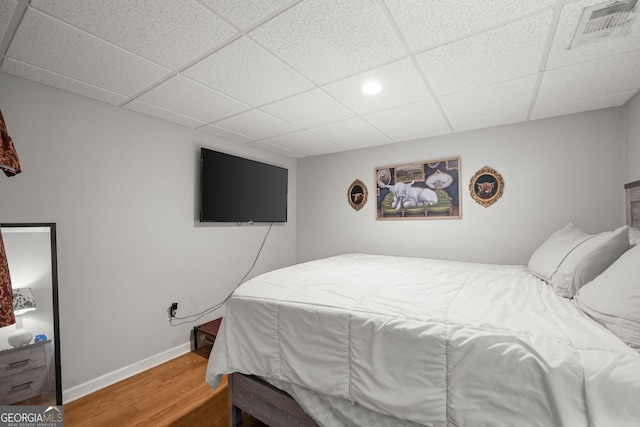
[[29, 349]]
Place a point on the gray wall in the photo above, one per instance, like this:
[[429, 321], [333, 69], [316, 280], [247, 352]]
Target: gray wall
[[555, 171], [632, 155], [122, 189]]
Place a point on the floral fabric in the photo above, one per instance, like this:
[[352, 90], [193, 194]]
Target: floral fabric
[[10, 165], [9, 162], [6, 294]]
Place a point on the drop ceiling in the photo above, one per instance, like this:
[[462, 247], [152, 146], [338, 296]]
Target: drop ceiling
[[285, 76]]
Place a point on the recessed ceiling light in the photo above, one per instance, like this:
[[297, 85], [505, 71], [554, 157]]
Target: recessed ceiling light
[[371, 87]]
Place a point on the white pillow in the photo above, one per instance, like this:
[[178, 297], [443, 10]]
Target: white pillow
[[588, 260], [547, 258], [613, 298], [579, 257]]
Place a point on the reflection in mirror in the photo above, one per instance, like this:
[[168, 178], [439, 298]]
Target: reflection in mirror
[[29, 350]]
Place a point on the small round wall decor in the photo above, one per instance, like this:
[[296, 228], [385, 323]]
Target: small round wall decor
[[486, 186], [357, 194]]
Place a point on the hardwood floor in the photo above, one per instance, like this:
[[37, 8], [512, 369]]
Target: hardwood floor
[[172, 394]]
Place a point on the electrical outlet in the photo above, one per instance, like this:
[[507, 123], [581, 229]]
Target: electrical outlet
[[171, 311]]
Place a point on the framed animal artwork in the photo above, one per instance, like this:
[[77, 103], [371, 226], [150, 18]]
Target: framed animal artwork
[[425, 190], [486, 186]]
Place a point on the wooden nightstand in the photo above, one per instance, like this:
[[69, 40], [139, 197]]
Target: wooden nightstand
[[26, 372], [209, 329]]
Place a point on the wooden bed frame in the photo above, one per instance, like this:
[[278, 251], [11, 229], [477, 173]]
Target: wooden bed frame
[[633, 203], [264, 402], [276, 408]]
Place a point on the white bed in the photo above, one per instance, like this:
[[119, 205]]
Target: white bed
[[368, 340], [432, 342]]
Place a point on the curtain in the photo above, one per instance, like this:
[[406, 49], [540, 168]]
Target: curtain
[[10, 165]]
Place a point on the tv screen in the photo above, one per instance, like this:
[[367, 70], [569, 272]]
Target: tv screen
[[234, 189]]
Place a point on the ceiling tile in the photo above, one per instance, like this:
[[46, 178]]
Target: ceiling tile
[[256, 124], [49, 44], [609, 75], [588, 104], [488, 101], [6, 14], [561, 53], [492, 121], [233, 136], [244, 13], [48, 78], [420, 120], [401, 85], [164, 114], [347, 131], [312, 108], [275, 149], [170, 33], [365, 143], [191, 99], [247, 72], [330, 40], [507, 52], [431, 23], [305, 143]]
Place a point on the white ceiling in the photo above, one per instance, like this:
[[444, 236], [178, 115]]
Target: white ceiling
[[284, 75]]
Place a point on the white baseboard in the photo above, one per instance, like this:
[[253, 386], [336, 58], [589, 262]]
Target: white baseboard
[[113, 377]]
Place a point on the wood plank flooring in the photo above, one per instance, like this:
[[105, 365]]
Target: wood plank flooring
[[173, 394]]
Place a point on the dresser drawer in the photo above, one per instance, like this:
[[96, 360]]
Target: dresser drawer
[[21, 359], [22, 386]]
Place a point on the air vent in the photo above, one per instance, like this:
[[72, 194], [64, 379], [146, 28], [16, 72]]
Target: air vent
[[604, 21]]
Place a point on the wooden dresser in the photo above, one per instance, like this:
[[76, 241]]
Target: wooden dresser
[[26, 372]]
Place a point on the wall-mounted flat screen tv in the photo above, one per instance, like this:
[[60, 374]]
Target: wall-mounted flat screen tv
[[235, 189]]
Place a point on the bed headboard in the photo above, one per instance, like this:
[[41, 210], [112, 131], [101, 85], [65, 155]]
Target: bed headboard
[[633, 203]]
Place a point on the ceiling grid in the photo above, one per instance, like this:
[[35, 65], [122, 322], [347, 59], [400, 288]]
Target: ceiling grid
[[285, 75]]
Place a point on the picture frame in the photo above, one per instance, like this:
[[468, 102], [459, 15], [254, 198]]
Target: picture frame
[[486, 186], [357, 194], [421, 190]]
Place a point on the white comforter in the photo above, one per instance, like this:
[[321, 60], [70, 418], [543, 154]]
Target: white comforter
[[440, 343]]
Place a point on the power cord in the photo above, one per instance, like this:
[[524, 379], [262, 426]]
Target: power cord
[[198, 316]]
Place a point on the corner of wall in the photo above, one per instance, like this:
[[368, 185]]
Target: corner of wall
[[631, 163]]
